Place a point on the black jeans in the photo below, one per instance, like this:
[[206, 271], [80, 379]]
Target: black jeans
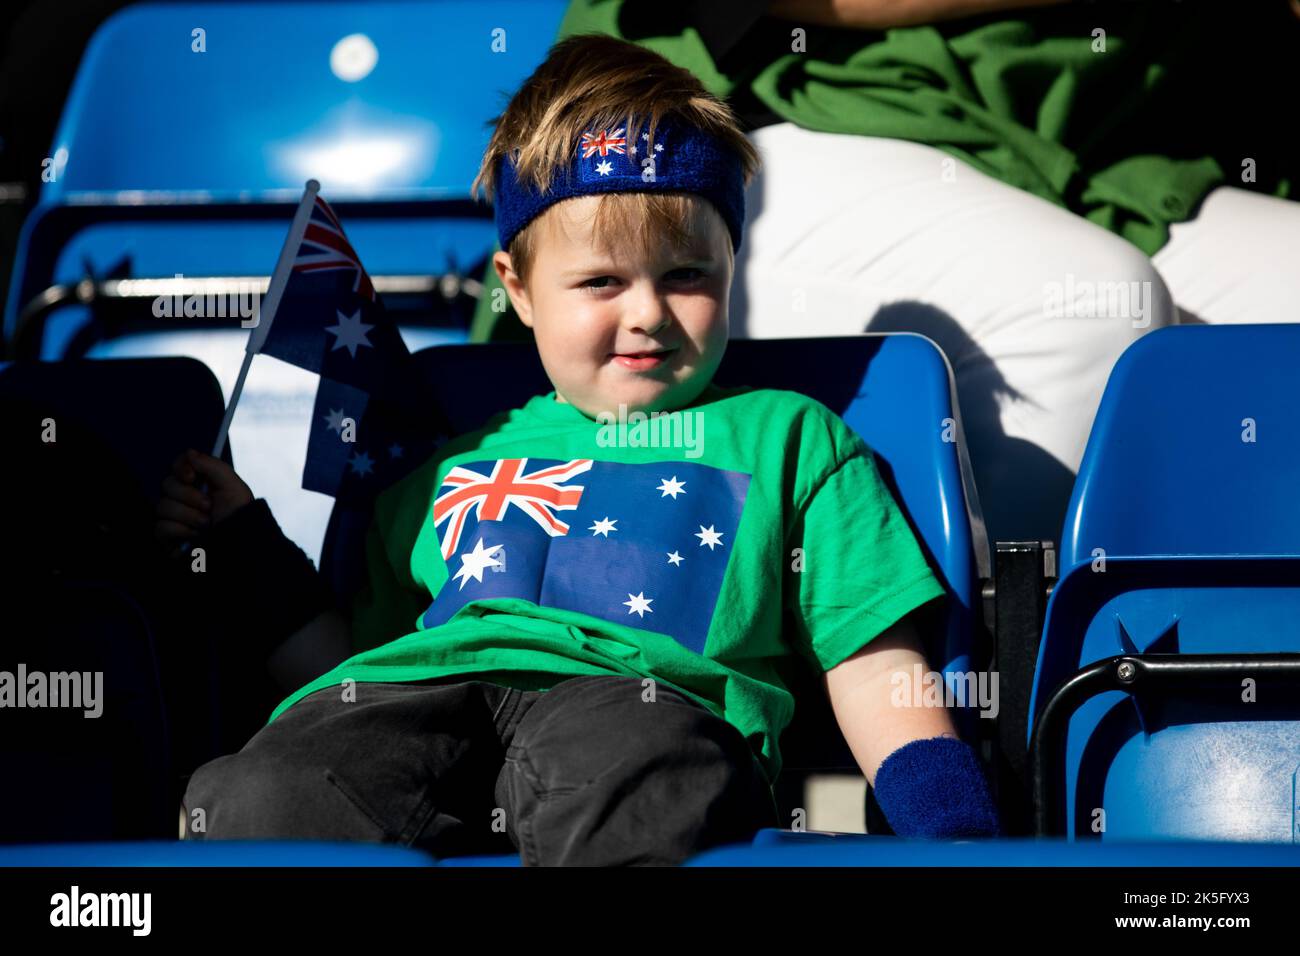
[[586, 773]]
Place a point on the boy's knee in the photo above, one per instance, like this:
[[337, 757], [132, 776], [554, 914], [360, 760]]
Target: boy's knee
[[680, 745], [247, 796]]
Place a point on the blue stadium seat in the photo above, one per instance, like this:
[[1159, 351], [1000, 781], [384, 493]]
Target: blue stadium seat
[[213, 853], [88, 594], [169, 160], [811, 850], [1182, 543], [146, 409], [894, 389], [874, 851]]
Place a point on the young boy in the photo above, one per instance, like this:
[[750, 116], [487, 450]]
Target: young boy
[[571, 644]]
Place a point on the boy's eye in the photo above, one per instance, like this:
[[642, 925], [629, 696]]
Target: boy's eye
[[685, 274]]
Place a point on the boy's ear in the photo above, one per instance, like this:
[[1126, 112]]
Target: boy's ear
[[514, 287]]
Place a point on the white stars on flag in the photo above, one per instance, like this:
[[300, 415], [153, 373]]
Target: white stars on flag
[[709, 536], [350, 333], [361, 463], [639, 604], [334, 420], [472, 563], [671, 486]]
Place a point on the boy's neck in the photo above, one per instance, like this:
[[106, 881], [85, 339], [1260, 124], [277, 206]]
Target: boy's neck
[[708, 390]]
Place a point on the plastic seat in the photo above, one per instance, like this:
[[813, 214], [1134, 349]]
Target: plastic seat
[[875, 851], [145, 409], [1182, 540], [87, 594], [894, 389], [212, 853], [359, 104]]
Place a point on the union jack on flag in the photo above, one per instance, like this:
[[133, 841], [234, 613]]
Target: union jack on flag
[[604, 143], [539, 494], [325, 247]]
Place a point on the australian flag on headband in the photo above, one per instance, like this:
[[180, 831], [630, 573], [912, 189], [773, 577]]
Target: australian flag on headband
[[367, 428], [643, 545]]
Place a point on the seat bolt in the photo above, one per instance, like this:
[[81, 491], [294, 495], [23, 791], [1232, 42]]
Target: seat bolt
[[1126, 671]]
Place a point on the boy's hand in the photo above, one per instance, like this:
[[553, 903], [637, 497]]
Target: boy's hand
[[185, 509]]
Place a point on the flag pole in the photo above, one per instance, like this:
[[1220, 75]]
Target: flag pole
[[265, 315], [266, 312]]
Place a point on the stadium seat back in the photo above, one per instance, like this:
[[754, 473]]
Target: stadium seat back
[[87, 445], [1194, 448], [181, 154], [245, 101], [146, 410], [1183, 538]]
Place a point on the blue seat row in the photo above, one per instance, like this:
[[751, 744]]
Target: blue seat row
[[191, 128], [1182, 541], [1202, 758]]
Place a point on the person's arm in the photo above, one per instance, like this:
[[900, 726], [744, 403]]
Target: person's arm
[[383, 609], [882, 14], [272, 595], [861, 689], [862, 590], [264, 585], [927, 781]]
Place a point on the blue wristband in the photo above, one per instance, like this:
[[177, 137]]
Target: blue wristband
[[935, 788]]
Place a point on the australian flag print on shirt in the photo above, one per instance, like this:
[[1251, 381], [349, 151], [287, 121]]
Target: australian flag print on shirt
[[644, 545]]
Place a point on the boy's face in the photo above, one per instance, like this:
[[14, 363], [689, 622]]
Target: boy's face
[[618, 328]]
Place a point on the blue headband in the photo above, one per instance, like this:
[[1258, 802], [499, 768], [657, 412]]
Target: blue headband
[[686, 159]]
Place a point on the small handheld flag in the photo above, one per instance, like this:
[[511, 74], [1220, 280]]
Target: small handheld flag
[[371, 423]]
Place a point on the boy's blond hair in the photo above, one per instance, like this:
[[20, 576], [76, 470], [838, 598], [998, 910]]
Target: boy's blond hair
[[597, 81]]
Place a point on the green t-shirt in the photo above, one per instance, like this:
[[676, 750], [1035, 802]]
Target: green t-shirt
[[663, 550]]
